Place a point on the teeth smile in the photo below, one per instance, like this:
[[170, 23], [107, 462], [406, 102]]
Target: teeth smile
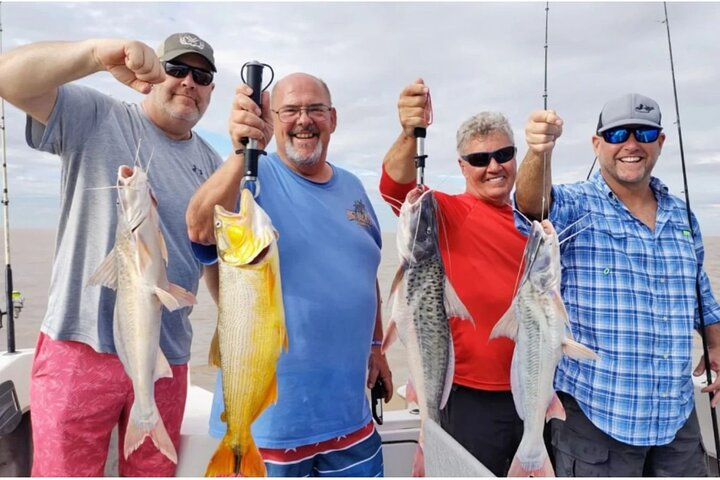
[[630, 159]]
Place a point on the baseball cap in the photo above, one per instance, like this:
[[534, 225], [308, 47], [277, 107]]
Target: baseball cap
[[181, 43], [630, 109]]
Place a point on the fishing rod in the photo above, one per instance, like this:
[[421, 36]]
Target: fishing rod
[[207, 254], [698, 291], [13, 301], [545, 107], [252, 152]]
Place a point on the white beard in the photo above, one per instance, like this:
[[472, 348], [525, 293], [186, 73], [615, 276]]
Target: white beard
[[301, 161]]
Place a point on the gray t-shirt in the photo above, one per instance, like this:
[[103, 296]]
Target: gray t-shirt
[[95, 134]]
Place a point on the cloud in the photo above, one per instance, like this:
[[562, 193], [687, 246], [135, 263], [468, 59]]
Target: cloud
[[473, 55]]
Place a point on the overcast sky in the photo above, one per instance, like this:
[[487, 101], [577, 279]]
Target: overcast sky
[[473, 56]]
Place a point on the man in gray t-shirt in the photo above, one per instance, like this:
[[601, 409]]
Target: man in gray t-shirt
[[79, 390]]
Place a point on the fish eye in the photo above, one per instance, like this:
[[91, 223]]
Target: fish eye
[[218, 224]]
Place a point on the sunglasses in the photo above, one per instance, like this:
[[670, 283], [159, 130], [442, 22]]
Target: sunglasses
[[482, 159], [180, 70], [619, 135]]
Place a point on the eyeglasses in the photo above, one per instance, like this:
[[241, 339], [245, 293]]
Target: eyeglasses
[[482, 159], [290, 114], [619, 135], [180, 70]]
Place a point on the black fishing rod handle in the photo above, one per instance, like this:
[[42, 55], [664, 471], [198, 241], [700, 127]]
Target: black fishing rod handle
[[420, 132], [253, 79]]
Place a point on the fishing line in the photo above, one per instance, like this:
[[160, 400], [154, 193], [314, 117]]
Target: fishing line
[[698, 291], [545, 106]]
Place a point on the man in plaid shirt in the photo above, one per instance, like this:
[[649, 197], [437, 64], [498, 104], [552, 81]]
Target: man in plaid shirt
[[629, 287]]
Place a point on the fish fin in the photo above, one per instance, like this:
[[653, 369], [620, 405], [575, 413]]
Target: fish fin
[[555, 409], [517, 470], [575, 350], [162, 367], [397, 280], [389, 337], [410, 392], [162, 441], [175, 297], [135, 435], [507, 326], [106, 273], [163, 246], [269, 399], [222, 463], [517, 388], [214, 355], [418, 466], [252, 464], [285, 344], [454, 307], [449, 377]]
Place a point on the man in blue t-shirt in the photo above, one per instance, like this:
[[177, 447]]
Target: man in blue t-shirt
[[329, 244]]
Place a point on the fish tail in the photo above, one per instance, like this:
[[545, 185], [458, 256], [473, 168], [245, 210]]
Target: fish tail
[[135, 435], [518, 470], [224, 461], [418, 467]]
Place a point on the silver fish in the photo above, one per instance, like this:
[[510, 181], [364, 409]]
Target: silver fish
[[137, 268], [423, 302], [537, 322]]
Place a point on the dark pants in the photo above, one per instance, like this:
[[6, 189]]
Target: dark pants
[[583, 450], [486, 424]]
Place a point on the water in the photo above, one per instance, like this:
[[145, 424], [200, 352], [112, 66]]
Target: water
[[32, 252]]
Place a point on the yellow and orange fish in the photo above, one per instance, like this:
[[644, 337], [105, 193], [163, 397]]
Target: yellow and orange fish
[[250, 334]]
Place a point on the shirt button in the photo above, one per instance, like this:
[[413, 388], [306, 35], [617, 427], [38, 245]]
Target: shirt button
[[663, 394], [666, 356], [662, 280]]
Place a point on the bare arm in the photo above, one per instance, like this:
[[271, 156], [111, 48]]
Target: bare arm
[[712, 335], [399, 160], [223, 187], [534, 179], [31, 75], [377, 363]]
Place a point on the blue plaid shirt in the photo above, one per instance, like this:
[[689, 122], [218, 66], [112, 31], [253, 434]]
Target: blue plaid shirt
[[630, 296]]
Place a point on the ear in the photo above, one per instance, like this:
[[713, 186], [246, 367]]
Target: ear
[[333, 119], [462, 167], [661, 140], [596, 144]]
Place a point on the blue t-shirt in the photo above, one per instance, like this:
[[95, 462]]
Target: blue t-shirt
[[329, 255]]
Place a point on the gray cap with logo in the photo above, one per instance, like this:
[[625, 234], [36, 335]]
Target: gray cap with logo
[[630, 109], [180, 43]]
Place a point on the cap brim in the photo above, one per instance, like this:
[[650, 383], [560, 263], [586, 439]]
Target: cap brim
[[629, 122], [173, 54]]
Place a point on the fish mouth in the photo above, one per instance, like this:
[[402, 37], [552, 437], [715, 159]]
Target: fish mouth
[[243, 238]]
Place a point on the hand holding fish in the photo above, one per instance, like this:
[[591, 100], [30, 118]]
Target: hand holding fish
[[411, 106], [247, 120], [131, 62], [543, 128]]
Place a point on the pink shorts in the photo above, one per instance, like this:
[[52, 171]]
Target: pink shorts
[[77, 396]]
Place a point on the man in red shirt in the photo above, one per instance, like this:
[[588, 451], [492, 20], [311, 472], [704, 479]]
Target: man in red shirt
[[481, 252]]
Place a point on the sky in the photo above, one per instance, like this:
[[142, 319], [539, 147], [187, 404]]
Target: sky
[[473, 56]]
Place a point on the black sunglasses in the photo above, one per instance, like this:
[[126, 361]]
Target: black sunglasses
[[619, 135], [482, 159], [180, 70]]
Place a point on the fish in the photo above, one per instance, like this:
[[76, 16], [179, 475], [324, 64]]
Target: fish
[[250, 333], [538, 323], [422, 301], [136, 268]]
